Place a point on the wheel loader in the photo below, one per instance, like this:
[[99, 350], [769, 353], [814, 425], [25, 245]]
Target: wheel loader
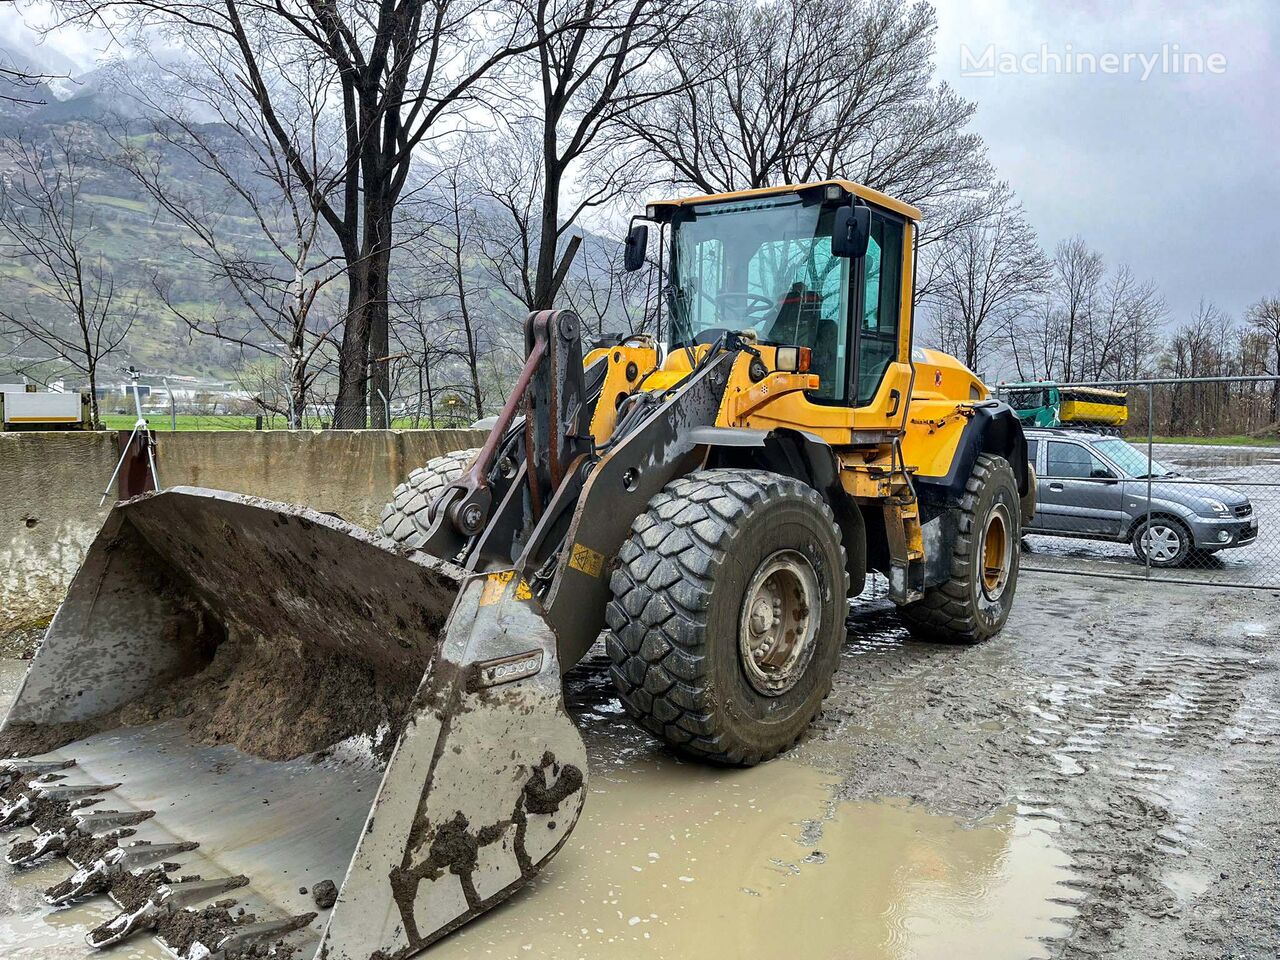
[[241, 703]]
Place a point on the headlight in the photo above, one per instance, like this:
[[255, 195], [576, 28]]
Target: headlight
[[1216, 507]]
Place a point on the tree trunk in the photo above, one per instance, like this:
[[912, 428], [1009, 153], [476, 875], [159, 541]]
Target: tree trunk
[[297, 385], [543, 292], [378, 256], [417, 410], [353, 355], [431, 404], [95, 421], [473, 360]]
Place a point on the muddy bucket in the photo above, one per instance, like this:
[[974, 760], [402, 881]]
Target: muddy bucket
[[262, 730]]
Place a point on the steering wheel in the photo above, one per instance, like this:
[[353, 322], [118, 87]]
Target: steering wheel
[[748, 306]]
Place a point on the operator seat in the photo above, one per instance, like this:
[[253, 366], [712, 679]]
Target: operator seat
[[800, 322]]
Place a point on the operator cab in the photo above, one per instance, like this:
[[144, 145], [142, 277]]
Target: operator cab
[[764, 261]]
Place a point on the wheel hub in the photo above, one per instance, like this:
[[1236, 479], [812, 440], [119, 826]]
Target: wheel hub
[[780, 614], [996, 553], [1161, 543]]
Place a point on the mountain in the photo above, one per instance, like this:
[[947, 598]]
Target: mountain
[[144, 249]]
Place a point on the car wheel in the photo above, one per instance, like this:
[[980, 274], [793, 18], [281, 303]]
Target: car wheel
[[1168, 542]]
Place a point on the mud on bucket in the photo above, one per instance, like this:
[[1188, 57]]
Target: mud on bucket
[[266, 698]]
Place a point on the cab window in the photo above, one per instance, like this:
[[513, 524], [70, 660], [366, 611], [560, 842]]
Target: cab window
[[810, 288], [878, 323], [764, 265]]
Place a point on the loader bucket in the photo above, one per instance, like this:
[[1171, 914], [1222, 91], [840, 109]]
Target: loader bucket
[[240, 700]]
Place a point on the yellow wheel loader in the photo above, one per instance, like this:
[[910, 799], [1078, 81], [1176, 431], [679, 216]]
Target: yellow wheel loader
[[263, 731]]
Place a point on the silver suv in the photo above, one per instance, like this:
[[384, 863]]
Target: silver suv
[[1095, 487]]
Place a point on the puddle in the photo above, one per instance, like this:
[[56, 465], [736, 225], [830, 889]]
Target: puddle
[[677, 860], [29, 928], [1186, 884]]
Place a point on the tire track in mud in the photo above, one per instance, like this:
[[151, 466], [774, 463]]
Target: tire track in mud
[[1141, 737], [1127, 720]]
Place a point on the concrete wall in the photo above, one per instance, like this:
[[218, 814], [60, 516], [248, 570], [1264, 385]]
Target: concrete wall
[[50, 484]]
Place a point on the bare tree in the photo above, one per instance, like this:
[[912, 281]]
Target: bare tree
[[608, 297], [1078, 273], [1264, 317], [1122, 330], [279, 273], [595, 63], [1205, 346], [798, 90], [988, 275], [452, 247], [401, 72], [74, 315]]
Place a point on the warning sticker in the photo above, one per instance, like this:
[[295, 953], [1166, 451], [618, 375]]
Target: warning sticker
[[586, 560]]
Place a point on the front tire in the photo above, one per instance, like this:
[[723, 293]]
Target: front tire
[[1167, 540], [974, 603], [406, 519], [728, 614]]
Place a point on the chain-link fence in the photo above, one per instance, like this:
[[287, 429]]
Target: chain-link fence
[[1163, 479]]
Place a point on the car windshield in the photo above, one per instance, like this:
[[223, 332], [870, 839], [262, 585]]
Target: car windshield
[[1130, 459], [764, 265]]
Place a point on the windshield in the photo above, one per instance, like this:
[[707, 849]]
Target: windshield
[[764, 265], [1130, 459]]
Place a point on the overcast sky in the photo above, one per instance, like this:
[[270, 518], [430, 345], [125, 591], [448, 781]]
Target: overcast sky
[[1175, 173]]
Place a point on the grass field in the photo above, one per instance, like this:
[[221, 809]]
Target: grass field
[[1237, 440], [186, 421], [194, 421]]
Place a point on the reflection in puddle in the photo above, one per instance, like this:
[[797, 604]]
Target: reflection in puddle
[[30, 930], [674, 860]]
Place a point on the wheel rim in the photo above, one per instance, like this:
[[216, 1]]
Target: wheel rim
[[996, 552], [781, 609], [1161, 542]]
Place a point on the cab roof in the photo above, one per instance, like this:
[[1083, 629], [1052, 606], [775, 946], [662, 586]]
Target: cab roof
[[874, 197]]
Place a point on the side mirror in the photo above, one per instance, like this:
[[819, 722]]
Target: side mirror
[[1102, 473], [852, 232], [634, 249]]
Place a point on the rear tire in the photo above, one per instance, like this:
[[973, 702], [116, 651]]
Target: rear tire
[[975, 602], [728, 614], [406, 518]]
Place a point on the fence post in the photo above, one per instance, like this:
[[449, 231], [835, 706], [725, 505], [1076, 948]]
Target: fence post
[[1151, 460]]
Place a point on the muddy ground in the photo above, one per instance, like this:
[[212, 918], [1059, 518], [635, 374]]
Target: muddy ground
[[1140, 723], [1100, 780]]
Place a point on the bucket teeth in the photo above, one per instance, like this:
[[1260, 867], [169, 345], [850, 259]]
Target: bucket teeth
[[241, 941], [96, 821], [96, 877], [101, 825], [66, 797], [167, 899], [11, 771]]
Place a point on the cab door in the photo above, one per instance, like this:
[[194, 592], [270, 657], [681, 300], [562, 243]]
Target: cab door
[[880, 376]]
